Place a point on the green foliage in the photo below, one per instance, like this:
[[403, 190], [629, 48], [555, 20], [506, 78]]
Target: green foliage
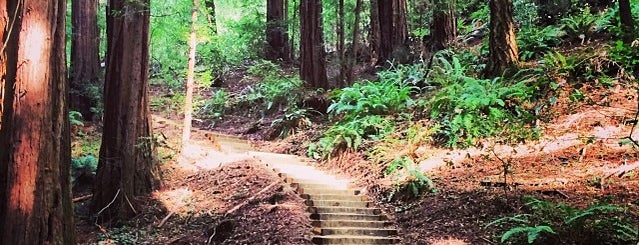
[[276, 89], [75, 118], [292, 119], [372, 98], [214, 107], [83, 164], [611, 22], [533, 41], [547, 221], [350, 134], [413, 179], [582, 25], [627, 55], [476, 108]]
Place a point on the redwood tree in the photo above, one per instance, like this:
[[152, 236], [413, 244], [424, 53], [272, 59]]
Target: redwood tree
[[35, 153], [393, 31], [627, 23], [503, 52], [312, 54], [277, 31], [443, 29], [85, 59], [126, 168]]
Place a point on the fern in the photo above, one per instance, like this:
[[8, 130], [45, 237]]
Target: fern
[[532, 232]]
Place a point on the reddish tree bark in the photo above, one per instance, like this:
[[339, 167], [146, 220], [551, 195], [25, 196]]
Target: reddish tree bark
[[126, 168], [312, 54], [277, 31], [503, 52], [374, 33], [35, 153], [392, 27], [443, 29], [85, 59]]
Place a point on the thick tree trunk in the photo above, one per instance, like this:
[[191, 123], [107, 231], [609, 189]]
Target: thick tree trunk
[[374, 33], [85, 58], [628, 26], [341, 40], [312, 54], [210, 15], [352, 59], [503, 52], [126, 167], [35, 196], [443, 29], [277, 31], [392, 27], [190, 77]]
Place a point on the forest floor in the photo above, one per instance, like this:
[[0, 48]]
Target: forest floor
[[578, 160]]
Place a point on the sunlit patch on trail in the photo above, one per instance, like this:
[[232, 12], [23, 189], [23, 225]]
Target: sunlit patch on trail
[[176, 200]]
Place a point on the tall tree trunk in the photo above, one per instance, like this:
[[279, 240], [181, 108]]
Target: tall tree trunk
[[277, 31], [503, 52], [443, 29], [190, 74], [126, 168], [35, 152], [85, 58], [352, 59], [210, 15], [392, 27], [374, 33], [341, 40], [295, 26], [312, 54], [627, 24]]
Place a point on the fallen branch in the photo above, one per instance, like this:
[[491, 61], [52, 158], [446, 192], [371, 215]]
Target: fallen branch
[[252, 197], [165, 219], [82, 198]]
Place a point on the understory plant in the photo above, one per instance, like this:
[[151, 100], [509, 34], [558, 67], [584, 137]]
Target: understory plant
[[275, 90], [547, 222], [472, 108]]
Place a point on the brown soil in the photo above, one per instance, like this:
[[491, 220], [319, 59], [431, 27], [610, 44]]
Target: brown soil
[[194, 205]]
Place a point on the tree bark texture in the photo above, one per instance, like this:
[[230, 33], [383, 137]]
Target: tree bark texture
[[392, 27], [627, 23], [312, 54], [503, 53], [352, 59], [374, 33], [85, 58], [35, 155], [341, 40], [443, 29], [126, 168], [277, 31]]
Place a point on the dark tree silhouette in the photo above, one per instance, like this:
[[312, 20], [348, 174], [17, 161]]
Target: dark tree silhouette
[[277, 31], [503, 53], [627, 23], [393, 31], [312, 54], [85, 59]]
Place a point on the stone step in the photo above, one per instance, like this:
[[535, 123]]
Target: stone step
[[350, 223], [355, 231], [338, 203], [365, 211], [346, 216], [341, 239], [334, 197], [326, 191]]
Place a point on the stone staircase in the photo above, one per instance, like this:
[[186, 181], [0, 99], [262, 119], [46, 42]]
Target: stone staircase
[[338, 213]]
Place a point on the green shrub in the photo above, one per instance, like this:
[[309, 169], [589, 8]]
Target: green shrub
[[582, 25], [477, 108], [216, 105], [292, 119], [533, 42], [611, 22], [83, 164], [350, 134], [556, 223], [409, 177], [75, 118], [371, 98], [276, 89], [626, 55]]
